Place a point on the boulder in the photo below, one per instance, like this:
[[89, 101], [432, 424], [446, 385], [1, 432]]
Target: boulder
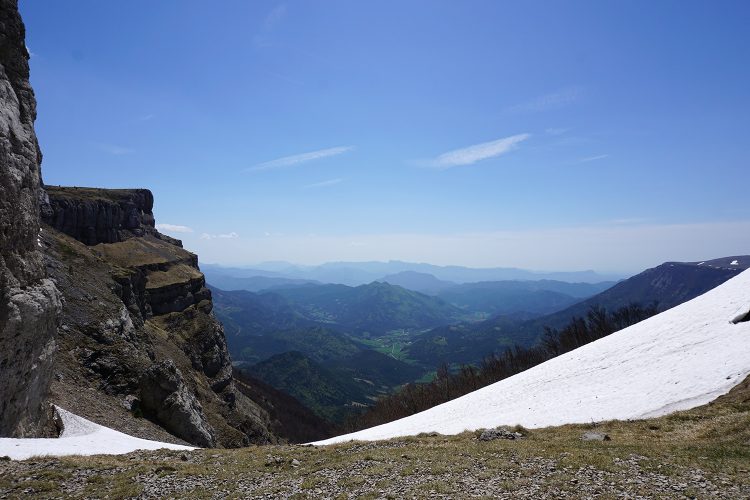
[[595, 436], [165, 397], [501, 433]]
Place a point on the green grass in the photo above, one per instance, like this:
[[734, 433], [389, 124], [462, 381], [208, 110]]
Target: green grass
[[394, 343]]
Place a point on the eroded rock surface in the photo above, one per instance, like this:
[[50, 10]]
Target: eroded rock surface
[[29, 302], [133, 305], [94, 216], [165, 395]]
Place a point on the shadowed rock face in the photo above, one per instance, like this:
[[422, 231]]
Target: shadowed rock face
[[29, 302], [94, 216]]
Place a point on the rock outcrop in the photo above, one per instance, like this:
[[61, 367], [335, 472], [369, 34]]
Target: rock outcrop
[[94, 216], [136, 335], [138, 326], [166, 397], [29, 302]]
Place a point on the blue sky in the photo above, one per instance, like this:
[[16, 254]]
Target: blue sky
[[545, 135]]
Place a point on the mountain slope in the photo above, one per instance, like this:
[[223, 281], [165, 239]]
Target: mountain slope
[[372, 309], [417, 282], [668, 284], [679, 359], [508, 297], [323, 390], [137, 333]]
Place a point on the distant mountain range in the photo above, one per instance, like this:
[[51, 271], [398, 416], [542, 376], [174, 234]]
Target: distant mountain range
[[529, 298], [359, 273], [419, 282], [667, 285], [336, 347]]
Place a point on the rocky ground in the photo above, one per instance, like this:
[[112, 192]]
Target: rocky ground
[[701, 453]]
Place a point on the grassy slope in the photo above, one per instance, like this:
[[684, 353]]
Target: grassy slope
[[704, 452]]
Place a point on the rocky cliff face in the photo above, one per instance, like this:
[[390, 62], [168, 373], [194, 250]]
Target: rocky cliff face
[[94, 216], [138, 348], [138, 336], [29, 302]]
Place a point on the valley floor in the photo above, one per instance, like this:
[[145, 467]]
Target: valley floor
[[699, 453]]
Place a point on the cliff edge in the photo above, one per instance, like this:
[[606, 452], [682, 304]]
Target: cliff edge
[[29, 301], [140, 350]]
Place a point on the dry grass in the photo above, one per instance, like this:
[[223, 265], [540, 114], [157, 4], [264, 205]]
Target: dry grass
[[88, 193], [143, 252], [180, 273], [711, 442]]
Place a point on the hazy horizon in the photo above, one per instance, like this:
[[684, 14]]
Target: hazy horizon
[[536, 135]]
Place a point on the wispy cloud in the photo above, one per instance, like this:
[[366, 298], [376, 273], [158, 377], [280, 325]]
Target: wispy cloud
[[145, 118], [556, 131], [478, 152], [225, 236], [591, 158], [322, 184], [114, 149], [174, 228], [261, 39], [553, 100], [288, 161]]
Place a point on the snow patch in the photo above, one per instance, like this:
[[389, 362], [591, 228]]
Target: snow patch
[[734, 263], [679, 359], [80, 437]]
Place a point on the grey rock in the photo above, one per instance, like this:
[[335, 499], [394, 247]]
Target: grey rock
[[94, 216], [29, 303], [166, 397], [595, 436], [131, 402], [502, 433]]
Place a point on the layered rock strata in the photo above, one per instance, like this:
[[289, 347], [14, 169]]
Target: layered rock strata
[[94, 216], [138, 329]]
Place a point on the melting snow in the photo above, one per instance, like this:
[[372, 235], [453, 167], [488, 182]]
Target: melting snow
[[679, 359], [80, 437]]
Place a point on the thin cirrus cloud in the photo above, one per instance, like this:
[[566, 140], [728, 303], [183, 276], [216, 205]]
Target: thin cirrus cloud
[[275, 16], [478, 152], [591, 158], [322, 184], [114, 149], [174, 228], [290, 161], [224, 236], [546, 102]]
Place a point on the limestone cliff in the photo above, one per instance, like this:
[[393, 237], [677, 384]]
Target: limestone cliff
[[137, 348], [29, 301], [138, 337], [95, 216]]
